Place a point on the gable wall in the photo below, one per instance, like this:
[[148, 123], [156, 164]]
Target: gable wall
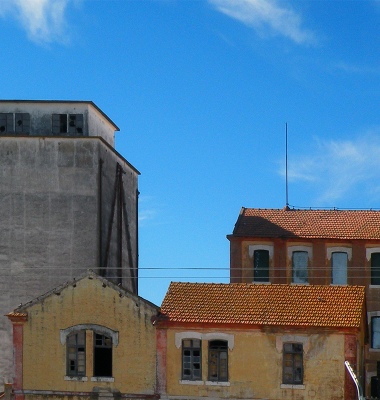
[[44, 357]]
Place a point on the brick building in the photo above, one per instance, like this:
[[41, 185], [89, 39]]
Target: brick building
[[317, 247]]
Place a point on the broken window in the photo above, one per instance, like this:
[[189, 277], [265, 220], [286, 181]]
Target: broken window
[[67, 123], [102, 355], [191, 359], [6, 122], [76, 124], [261, 266], [339, 268], [76, 354], [375, 269], [218, 361], [22, 122], [300, 266], [293, 364]]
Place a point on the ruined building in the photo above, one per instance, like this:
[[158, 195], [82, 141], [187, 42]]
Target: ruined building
[[68, 203]]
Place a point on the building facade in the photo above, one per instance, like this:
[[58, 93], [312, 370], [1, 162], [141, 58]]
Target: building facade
[[317, 247], [86, 339], [247, 341], [68, 202]]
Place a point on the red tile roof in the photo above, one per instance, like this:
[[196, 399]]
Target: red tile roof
[[330, 224], [263, 304]]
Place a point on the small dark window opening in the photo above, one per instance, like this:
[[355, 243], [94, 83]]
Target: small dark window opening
[[261, 266], [218, 361], [375, 383], [191, 359], [375, 269], [76, 354], [293, 364], [6, 122], [102, 356]]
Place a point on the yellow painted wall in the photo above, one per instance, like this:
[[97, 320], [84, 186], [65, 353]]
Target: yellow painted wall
[[134, 359], [255, 367]]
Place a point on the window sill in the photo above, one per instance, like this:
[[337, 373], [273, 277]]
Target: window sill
[[184, 382], [213, 383], [373, 350], [374, 286], [287, 386], [76, 378], [102, 379], [300, 283]]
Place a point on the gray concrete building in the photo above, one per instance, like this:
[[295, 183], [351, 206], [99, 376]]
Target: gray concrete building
[[68, 203]]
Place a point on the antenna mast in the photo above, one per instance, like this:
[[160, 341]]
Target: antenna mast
[[286, 163]]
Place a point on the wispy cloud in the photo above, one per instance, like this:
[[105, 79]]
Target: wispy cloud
[[264, 14], [44, 20], [337, 169], [356, 69]]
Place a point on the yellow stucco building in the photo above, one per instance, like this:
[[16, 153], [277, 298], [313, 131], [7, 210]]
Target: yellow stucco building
[[257, 341], [88, 338]]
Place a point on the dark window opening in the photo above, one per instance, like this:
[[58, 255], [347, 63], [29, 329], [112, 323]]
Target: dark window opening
[[22, 124], [6, 122], [191, 359], [218, 361], [375, 269], [293, 364], [261, 266], [76, 123], [76, 354], [300, 266], [102, 356]]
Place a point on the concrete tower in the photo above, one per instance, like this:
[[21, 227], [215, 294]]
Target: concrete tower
[[68, 203]]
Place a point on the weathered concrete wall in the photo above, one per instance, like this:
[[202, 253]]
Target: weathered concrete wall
[[90, 301], [255, 367], [54, 213]]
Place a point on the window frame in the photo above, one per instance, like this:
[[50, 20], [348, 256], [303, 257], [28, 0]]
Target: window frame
[[66, 123], [76, 346], [191, 349], [337, 268], [220, 347], [264, 278], [293, 352], [373, 319], [375, 270], [294, 277]]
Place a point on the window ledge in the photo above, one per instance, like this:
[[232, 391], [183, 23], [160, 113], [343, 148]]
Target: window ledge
[[287, 386], [102, 379], [76, 378], [300, 283], [184, 382], [215, 383], [373, 350], [374, 286]]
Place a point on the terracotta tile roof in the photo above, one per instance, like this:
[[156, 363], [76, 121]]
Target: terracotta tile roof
[[263, 304], [334, 224]]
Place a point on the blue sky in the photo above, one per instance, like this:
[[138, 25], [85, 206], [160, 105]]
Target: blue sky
[[201, 91]]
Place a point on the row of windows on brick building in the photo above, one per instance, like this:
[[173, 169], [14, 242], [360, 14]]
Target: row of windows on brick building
[[300, 267]]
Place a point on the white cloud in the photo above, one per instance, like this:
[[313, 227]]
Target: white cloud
[[340, 169], [261, 14], [44, 20]]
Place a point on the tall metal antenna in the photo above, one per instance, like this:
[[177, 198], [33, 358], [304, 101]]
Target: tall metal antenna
[[286, 163]]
